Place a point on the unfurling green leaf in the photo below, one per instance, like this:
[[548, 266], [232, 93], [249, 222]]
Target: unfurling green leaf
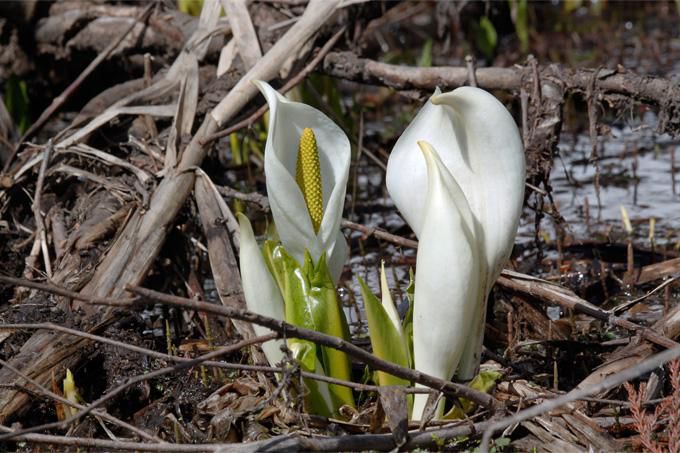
[[425, 60], [191, 7], [487, 38], [386, 339], [518, 12], [311, 302], [17, 102], [483, 382]]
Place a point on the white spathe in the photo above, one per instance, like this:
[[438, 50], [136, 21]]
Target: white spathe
[[448, 269], [260, 291], [286, 121], [479, 143]]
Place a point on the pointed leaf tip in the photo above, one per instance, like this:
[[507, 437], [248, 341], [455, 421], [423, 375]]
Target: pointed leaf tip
[[430, 155], [387, 301], [387, 339]]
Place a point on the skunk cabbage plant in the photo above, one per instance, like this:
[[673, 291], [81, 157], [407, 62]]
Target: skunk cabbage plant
[[306, 193], [463, 201], [306, 168]]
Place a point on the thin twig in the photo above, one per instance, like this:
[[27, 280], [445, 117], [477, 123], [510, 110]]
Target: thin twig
[[40, 234], [294, 442], [624, 306], [260, 200], [68, 92], [578, 393], [54, 289], [471, 66], [289, 330], [287, 87], [40, 237], [555, 294], [209, 363], [368, 231]]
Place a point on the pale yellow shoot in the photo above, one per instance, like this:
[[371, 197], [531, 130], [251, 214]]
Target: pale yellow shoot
[[308, 176], [70, 392]]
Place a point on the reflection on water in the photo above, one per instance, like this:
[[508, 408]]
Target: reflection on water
[[636, 171]]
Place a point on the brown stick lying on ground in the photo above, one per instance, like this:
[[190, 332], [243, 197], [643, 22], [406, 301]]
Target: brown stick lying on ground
[[657, 90], [283, 328]]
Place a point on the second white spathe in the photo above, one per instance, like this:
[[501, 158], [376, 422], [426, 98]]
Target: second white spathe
[[480, 146]]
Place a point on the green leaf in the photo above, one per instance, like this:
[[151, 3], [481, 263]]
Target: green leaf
[[311, 302], [486, 37], [386, 340], [330, 319], [518, 9], [483, 382], [304, 351], [502, 442], [408, 318], [17, 102], [425, 60], [192, 7], [321, 91], [275, 256]]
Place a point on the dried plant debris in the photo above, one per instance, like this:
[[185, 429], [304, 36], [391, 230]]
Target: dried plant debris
[[132, 141]]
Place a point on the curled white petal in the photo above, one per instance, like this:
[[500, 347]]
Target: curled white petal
[[494, 187], [259, 288], [447, 276], [406, 177], [493, 170], [287, 120], [479, 143]]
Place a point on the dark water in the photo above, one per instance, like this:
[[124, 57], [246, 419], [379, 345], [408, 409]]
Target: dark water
[[636, 172]]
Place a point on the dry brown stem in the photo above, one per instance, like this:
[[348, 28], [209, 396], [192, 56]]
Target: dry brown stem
[[655, 90]]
